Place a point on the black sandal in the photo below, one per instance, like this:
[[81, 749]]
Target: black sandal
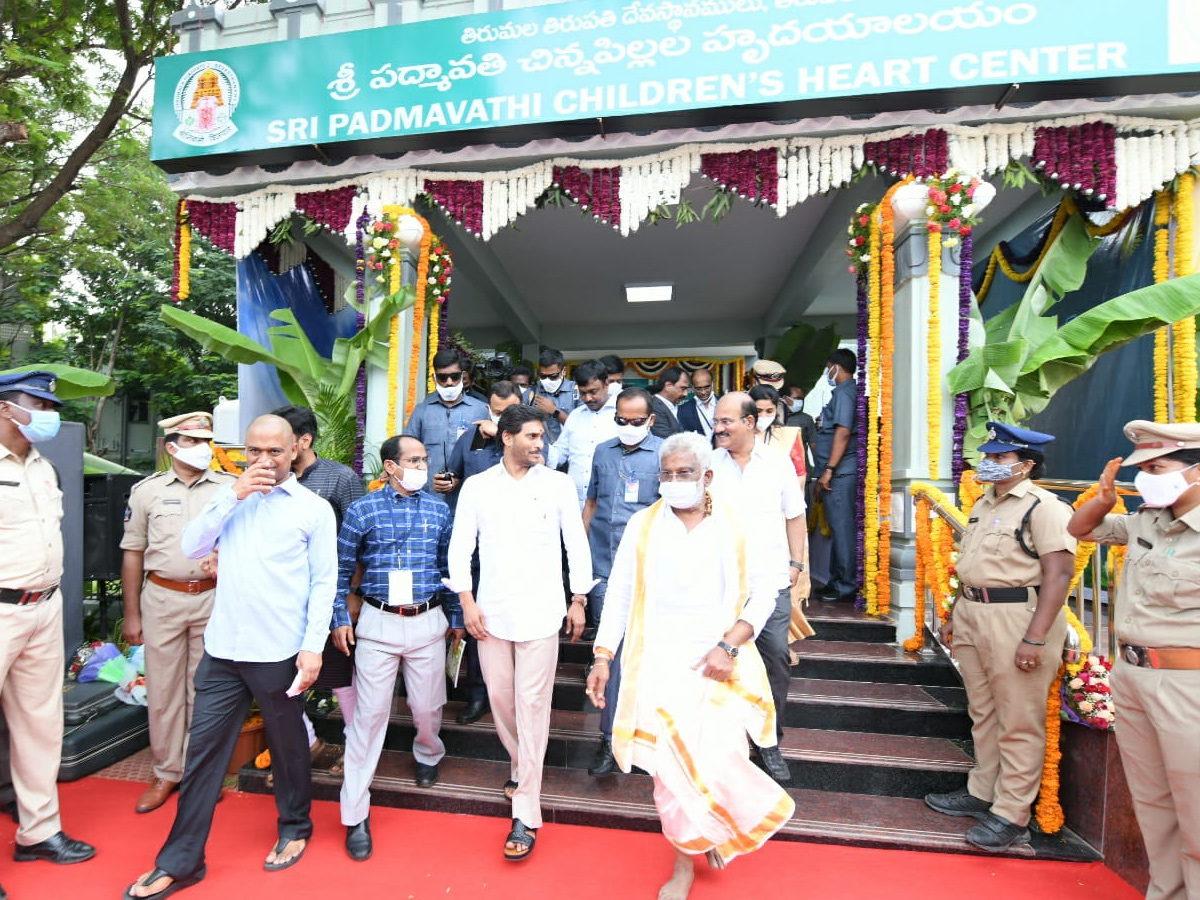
[[280, 846], [510, 788], [177, 884], [525, 837]]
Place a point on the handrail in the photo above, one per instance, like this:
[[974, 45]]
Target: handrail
[[1077, 599]]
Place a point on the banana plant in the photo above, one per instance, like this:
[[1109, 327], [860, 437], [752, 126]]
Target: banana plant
[[323, 384], [73, 382], [1021, 356]]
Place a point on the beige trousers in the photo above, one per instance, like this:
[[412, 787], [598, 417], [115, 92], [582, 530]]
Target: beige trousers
[[31, 680], [173, 630], [1007, 705], [1158, 731], [520, 685]]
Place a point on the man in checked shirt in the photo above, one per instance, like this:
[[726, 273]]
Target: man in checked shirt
[[400, 535]]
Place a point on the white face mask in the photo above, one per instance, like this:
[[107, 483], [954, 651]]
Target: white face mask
[[795, 406], [495, 418], [831, 378], [632, 435], [614, 388], [451, 392], [198, 456], [1161, 491], [412, 480], [682, 494], [43, 424], [551, 386], [765, 422]]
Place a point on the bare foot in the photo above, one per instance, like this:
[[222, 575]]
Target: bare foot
[[681, 879], [139, 889]]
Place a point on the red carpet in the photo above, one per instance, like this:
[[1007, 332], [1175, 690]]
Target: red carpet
[[420, 856]]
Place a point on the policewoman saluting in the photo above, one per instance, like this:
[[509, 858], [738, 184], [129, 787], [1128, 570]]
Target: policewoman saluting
[[1008, 627], [1156, 681]]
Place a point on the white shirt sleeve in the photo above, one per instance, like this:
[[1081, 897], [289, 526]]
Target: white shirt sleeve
[[619, 595], [464, 536], [323, 571], [760, 604], [579, 552], [200, 535], [793, 495], [560, 450]]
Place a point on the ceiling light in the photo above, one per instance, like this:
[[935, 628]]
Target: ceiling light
[[648, 293]]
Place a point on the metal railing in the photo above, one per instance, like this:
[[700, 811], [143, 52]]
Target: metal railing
[[1094, 599]]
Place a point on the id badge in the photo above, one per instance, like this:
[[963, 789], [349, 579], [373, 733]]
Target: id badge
[[462, 429], [631, 490], [400, 587]]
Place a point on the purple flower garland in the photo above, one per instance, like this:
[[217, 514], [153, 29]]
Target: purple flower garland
[[861, 442], [964, 317], [360, 319]]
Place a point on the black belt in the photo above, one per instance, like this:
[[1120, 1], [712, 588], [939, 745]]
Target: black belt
[[412, 609], [998, 594], [24, 598]]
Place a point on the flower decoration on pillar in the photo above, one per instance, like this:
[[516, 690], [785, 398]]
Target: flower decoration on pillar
[[1184, 331], [857, 244], [860, 417], [461, 200], [1081, 158], [751, 174], [181, 282], [437, 293], [360, 319], [1162, 272]]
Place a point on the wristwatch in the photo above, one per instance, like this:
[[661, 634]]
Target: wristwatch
[[798, 566], [731, 650]]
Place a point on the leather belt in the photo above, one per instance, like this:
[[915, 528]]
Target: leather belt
[[997, 594], [411, 609], [1161, 657], [184, 587], [19, 597]]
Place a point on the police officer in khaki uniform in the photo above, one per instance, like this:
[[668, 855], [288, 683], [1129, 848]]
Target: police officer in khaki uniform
[[168, 597], [1156, 682], [1007, 632], [31, 628]]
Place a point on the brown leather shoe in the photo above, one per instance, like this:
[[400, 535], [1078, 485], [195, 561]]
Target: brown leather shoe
[[156, 794]]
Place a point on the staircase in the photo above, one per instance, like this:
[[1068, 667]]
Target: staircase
[[869, 730]]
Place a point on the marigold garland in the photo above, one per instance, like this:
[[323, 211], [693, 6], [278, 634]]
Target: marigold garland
[[434, 331], [871, 474], [922, 512], [1184, 331], [184, 255], [969, 491], [227, 460], [1048, 812], [1162, 272], [935, 555], [933, 352]]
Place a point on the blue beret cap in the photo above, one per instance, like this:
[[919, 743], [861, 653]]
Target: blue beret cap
[[35, 384], [1003, 437]]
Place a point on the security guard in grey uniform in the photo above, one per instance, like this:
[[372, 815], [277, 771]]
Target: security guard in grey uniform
[[1007, 632], [31, 615], [1156, 681], [168, 597]]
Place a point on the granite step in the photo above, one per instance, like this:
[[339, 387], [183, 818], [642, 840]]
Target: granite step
[[842, 622], [822, 759], [570, 796], [873, 662]]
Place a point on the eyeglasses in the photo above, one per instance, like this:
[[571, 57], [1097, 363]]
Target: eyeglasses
[[415, 460], [636, 422], [448, 377], [681, 475], [768, 377]]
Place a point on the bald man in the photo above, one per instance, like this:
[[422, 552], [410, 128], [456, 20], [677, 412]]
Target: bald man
[[275, 587]]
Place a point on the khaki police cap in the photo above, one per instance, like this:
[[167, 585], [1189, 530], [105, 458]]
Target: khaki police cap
[[1154, 439], [768, 367], [194, 425]]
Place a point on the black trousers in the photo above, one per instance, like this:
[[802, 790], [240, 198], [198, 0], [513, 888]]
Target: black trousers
[[224, 690], [772, 643], [7, 794]]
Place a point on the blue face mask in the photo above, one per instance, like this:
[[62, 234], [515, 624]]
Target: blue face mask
[[990, 472], [43, 424]]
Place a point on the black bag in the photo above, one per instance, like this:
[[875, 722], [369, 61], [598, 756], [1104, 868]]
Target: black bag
[[85, 701], [108, 737]]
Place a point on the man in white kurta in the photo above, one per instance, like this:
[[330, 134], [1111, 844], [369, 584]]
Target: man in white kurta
[[693, 683]]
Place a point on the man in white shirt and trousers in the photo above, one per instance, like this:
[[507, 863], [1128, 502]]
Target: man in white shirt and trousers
[[519, 513], [686, 603], [762, 488], [588, 426]]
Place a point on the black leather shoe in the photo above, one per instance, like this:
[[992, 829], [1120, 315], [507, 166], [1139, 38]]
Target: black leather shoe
[[775, 764], [605, 763], [57, 849], [358, 840], [3, 893], [10, 809], [958, 803], [427, 776], [995, 833], [472, 712]]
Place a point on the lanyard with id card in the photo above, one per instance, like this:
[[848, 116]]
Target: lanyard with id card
[[400, 587], [631, 488]]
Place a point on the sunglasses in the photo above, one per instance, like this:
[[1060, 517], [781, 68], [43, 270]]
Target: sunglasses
[[448, 377], [636, 422]]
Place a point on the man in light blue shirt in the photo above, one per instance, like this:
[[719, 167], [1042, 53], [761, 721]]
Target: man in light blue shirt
[[276, 579], [442, 419]]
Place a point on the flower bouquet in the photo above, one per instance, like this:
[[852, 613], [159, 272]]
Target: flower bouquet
[[1086, 696]]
